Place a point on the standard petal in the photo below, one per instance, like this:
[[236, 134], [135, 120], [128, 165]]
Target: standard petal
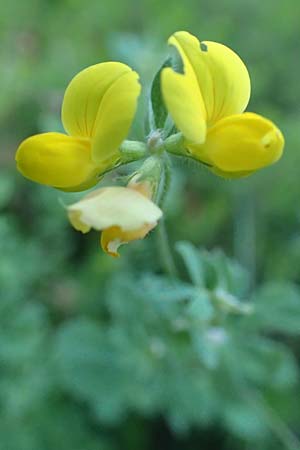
[[57, 160], [183, 98], [115, 117], [113, 207], [240, 144], [215, 80], [84, 95], [100, 103], [224, 80]]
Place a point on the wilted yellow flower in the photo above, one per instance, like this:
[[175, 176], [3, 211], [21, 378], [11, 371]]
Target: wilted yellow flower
[[123, 214], [207, 101], [97, 111]]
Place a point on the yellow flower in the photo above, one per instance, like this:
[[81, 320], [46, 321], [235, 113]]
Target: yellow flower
[[207, 103], [123, 214], [97, 111]]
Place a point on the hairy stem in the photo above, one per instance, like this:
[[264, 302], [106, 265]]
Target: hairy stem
[[163, 240], [167, 178], [165, 250]]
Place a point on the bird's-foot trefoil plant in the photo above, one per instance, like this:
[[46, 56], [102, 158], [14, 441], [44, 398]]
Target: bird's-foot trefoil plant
[[196, 110]]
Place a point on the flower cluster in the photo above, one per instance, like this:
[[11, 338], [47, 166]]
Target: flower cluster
[[198, 101]]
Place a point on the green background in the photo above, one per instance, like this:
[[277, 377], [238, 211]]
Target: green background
[[97, 353]]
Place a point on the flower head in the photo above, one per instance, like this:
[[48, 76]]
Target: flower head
[[206, 91], [97, 111], [206, 100], [123, 214]]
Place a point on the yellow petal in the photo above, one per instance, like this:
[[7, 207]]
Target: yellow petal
[[215, 80], [77, 223], [100, 103], [115, 117], [57, 160], [84, 95], [239, 144], [112, 238], [231, 175], [183, 98], [114, 207]]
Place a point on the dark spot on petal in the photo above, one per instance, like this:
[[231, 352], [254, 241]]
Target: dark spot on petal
[[203, 47]]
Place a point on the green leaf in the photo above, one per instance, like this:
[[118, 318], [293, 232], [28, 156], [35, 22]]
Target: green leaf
[[221, 272], [200, 308], [209, 345], [277, 308], [158, 115], [88, 367], [246, 421], [176, 60], [266, 363], [158, 112], [192, 261]]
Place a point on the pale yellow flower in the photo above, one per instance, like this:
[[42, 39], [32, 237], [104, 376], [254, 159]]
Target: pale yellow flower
[[123, 214]]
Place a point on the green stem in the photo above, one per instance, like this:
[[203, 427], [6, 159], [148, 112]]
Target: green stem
[[165, 250], [276, 424], [245, 229], [166, 181], [163, 240]]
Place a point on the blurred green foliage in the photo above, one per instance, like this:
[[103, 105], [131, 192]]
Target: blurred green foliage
[[103, 354]]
